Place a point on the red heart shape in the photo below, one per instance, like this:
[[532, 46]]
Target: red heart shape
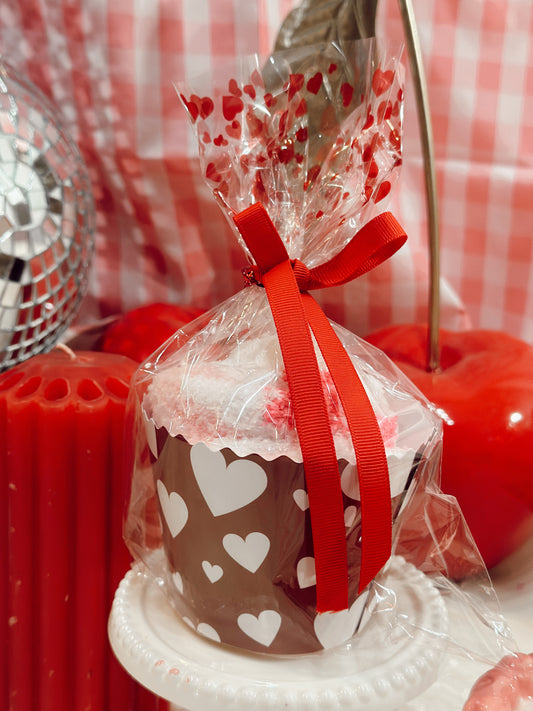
[[296, 81], [206, 138], [369, 151], [255, 125], [249, 89], [206, 107], [211, 173], [301, 109], [332, 68], [302, 134], [381, 81], [192, 107], [234, 130], [369, 120], [231, 106], [314, 84], [257, 79], [283, 119], [384, 111], [269, 100], [312, 175], [484, 390], [373, 170], [220, 140], [382, 191], [233, 88], [286, 153], [346, 93]]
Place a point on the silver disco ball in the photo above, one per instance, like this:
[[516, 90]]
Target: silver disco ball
[[46, 222]]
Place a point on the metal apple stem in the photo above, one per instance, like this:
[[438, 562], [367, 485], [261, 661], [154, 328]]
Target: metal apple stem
[[426, 136]]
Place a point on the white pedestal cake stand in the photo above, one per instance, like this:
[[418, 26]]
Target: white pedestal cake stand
[[380, 670]]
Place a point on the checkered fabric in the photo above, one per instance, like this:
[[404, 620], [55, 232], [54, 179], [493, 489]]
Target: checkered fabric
[[109, 66], [478, 57]]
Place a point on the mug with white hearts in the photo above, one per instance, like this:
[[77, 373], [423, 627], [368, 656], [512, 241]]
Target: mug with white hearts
[[233, 541]]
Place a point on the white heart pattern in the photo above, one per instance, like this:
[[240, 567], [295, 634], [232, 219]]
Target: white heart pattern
[[213, 572], [350, 482], [399, 464], [263, 628], [302, 499], [208, 631], [226, 488], [334, 628], [178, 581], [151, 436], [174, 509], [203, 629], [249, 552], [350, 513], [305, 572]]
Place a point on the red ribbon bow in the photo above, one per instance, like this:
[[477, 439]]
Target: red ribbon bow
[[296, 314]]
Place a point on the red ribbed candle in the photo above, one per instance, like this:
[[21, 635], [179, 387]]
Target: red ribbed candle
[[61, 494]]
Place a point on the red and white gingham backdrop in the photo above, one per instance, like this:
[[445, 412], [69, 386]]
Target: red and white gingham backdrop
[[109, 66]]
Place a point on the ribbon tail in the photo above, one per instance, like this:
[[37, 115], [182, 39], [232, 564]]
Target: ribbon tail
[[314, 433], [374, 485]]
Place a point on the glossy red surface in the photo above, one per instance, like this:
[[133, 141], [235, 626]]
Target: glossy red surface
[[484, 392], [141, 331], [61, 549]]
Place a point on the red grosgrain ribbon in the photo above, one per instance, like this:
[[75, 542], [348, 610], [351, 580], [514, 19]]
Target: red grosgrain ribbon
[[297, 315]]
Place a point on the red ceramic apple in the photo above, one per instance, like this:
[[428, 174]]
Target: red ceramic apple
[[141, 331], [484, 392]]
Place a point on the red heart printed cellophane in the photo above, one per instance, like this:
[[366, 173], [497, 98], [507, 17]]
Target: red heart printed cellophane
[[313, 134]]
